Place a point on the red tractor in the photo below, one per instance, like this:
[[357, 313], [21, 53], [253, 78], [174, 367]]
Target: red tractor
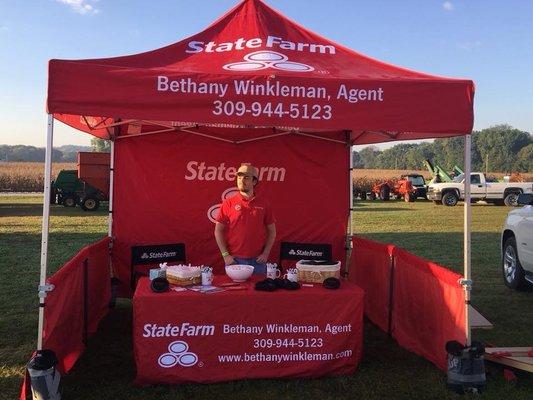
[[399, 188]]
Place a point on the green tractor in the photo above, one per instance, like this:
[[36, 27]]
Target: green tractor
[[439, 174], [70, 191], [87, 186]]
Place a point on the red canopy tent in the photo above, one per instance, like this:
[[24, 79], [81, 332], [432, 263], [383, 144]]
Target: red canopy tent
[[252, 77], [253, 53]]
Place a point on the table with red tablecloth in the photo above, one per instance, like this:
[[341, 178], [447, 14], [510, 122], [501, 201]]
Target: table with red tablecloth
[[187, 336]]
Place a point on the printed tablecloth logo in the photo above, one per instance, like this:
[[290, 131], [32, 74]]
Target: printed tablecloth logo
[[177, 354], [263, 59]]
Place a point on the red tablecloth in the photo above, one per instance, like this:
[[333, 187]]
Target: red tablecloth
[[186, 336]]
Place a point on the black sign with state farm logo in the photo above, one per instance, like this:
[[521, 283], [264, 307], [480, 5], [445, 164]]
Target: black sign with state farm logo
[[305, 251], [157, 253]]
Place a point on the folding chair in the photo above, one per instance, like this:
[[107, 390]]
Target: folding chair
[[291, 252], [146, 257]]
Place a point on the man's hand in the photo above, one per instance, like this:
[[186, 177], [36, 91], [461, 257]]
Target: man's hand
[[228, 260], [263, 258]]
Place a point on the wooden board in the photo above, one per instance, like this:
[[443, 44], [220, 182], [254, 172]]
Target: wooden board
[[478, 321], [523, 363]]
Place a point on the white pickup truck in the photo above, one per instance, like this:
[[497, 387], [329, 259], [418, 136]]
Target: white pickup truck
[[489, 190]]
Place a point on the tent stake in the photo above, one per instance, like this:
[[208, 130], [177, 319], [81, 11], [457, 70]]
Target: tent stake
[[43, 288]]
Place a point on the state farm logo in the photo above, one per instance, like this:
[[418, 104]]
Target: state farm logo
[[177, 354], [213, 211], [159, 254], [292, 252], [263, 59]]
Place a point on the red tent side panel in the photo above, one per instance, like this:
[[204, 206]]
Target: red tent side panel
[[428, 307], [168, 188]]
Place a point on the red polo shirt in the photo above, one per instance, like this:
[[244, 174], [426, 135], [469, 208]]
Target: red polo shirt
[[246, 222]]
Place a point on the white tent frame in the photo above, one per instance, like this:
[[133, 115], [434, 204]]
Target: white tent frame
[[44, 288]]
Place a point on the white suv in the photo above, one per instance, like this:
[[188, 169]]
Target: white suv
[[517, 245]]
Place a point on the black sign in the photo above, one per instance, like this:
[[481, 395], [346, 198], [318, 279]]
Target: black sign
[[305, 251], [157, 253]]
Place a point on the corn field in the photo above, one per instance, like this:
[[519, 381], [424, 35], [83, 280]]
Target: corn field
[[27, 176], [364, 179]]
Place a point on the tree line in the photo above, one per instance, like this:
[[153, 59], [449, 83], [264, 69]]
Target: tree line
[[500, 148], [18, 153], [66, 153]]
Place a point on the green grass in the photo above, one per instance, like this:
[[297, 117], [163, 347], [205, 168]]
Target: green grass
[[106, 370]]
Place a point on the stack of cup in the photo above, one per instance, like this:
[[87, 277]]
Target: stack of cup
[[292, 274], [272, 271], [207, 275]]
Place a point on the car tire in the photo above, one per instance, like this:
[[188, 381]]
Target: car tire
[[384, 193], [69, 201], [372, 196], [53, 194], [511, 199], [409, 197], [513, 274], [450, 199], [90, 204]]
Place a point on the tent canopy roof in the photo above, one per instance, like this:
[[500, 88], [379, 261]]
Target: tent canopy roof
[[255, 69]]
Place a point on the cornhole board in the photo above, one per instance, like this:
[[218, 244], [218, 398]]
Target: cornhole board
[[516, 357]]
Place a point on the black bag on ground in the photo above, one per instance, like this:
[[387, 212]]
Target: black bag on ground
[[466, 367]]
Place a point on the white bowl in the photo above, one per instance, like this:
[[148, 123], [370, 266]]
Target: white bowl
[[239, 272]]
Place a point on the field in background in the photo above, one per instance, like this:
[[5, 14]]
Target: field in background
[[365, 178], [396, 173], [27, 176], [107, 369]]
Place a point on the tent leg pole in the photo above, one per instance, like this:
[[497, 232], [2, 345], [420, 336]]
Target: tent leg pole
[[111, 183], [350, 213], [467, 281], [114, 281], [43, 289]]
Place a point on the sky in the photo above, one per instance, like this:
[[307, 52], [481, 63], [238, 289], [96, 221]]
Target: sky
[[488, 41]]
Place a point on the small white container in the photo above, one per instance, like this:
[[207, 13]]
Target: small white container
[[207, 277]]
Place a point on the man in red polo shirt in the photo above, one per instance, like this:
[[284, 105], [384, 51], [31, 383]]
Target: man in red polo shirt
[[245, 229]]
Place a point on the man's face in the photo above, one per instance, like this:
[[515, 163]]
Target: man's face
[[245, 183]]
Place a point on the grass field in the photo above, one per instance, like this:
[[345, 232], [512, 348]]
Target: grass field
[[106, 370]]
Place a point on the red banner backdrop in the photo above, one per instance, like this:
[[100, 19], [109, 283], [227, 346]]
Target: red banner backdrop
[[371, 270], [168, 187], [428, 307]]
